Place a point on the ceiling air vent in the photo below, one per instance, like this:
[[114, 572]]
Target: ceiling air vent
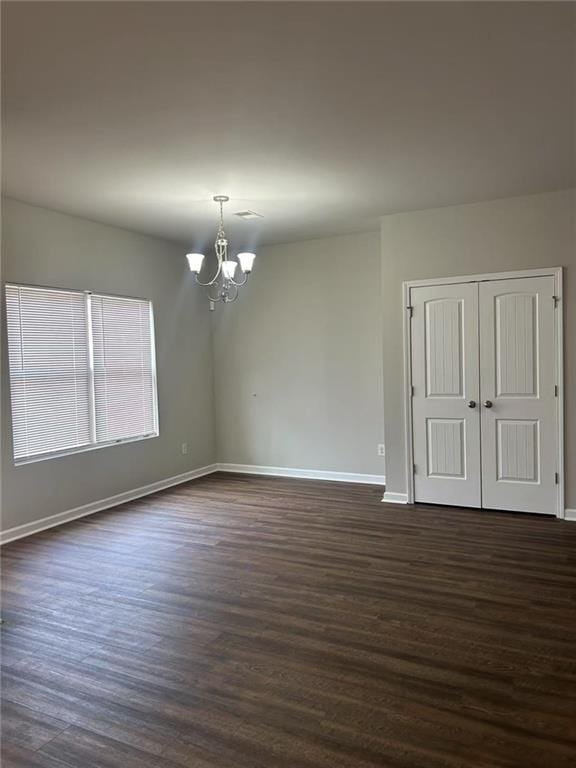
[[246, 215]]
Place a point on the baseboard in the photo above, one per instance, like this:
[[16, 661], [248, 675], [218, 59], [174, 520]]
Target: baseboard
[[305, 474], [20, 531], [97, 506], [395, 498]]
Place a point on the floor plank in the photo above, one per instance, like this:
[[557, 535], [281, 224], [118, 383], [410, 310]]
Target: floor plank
[[243, 622]]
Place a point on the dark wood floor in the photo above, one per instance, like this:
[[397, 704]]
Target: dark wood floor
[[240, 622]]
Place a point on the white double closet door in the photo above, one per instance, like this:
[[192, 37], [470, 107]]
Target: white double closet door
[[484, 399]]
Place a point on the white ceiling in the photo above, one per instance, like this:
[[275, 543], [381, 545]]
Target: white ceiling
[[322, 117]]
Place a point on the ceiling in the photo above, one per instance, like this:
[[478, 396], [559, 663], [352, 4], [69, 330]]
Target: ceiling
[[320, 116]]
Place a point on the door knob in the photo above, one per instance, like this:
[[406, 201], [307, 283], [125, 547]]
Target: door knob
[[471, 403], [488, 403]]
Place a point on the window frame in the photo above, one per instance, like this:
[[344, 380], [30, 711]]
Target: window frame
[[93, 445]]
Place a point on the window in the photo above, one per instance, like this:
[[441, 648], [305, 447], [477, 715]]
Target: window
[[82, 370]]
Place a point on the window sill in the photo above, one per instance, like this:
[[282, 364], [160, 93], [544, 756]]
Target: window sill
[[81, 449]]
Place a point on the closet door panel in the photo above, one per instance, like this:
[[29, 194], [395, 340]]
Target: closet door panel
[[445, 394], [517, 386]]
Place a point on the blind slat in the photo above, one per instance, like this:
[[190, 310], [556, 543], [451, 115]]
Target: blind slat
[[66, 392]]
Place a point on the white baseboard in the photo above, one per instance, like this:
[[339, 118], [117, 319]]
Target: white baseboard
[[28, 529], [306, 474], [395, 498], [20, 531]]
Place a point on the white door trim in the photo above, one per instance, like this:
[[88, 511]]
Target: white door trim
[[556, 273]]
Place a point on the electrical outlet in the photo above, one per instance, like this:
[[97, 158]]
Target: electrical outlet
[[184, 448], [381, 450]]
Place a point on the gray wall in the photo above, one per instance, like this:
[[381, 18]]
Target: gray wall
[[298, 359], [44, 247], [515, 233]]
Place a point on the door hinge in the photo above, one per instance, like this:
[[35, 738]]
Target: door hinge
[[556, 478], [555, 390], [412, 390], [410, 310], [556, 300], [415, 468]]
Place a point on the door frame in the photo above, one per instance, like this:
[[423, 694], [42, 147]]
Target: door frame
[[557, 274]]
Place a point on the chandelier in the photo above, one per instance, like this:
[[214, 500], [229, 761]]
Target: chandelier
[[222, 286]]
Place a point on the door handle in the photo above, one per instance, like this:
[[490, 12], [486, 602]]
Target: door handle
[[488, 403], [471, 403]]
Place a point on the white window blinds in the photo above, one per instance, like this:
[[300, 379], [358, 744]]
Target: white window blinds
[[82, 370], [49, 370], [124, 382]]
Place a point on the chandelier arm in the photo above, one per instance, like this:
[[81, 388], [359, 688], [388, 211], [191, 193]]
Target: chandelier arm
[[235, 294], [239, 284], [220, 253], [218, 296], [214, 279]]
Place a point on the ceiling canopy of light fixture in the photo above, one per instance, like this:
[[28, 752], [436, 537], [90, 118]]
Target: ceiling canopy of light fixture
[[222, 286]]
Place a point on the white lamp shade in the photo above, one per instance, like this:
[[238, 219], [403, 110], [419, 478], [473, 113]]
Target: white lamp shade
[[228, 268], [246, 261], [195, 261]]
